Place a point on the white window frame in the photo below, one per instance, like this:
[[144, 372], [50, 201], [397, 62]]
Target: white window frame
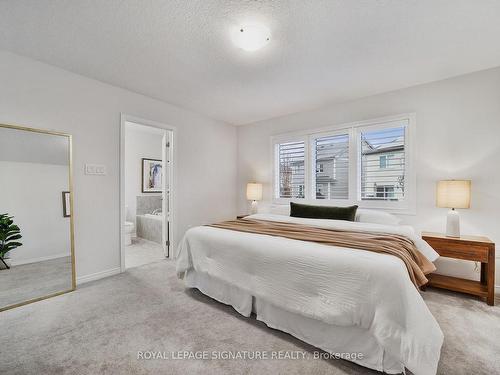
[[380, 161], [285, 138], [311, 140], [353, 129]]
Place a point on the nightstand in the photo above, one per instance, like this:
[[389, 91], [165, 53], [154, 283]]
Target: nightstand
[[473, 248]]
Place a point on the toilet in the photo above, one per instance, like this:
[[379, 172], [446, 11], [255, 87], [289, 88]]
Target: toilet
[[128, 230]]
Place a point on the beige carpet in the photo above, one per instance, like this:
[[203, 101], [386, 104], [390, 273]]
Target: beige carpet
[[100, 328]]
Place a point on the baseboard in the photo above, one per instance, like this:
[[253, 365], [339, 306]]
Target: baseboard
[[98, 275], [39, 259]]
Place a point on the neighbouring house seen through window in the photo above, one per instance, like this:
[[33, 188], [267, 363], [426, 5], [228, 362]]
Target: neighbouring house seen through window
[[382, 170], [291, 172], [331, 155], [365, 164]]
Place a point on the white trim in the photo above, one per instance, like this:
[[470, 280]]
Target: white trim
[[39, 259], [275, 140], [407, 206], [98, 275], [172, 180], [164, 160], [347, 125]]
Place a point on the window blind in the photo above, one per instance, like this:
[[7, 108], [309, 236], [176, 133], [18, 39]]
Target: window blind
[[383, 163], [331, 157], [291, 160]]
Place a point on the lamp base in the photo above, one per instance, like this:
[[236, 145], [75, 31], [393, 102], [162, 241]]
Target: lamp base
[[254, 208], [453, 224]]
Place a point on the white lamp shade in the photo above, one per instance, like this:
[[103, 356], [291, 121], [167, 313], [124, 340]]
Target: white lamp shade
[[254, 192], [453, 193]]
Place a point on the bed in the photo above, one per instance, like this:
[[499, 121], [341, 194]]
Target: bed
[[342, 300]]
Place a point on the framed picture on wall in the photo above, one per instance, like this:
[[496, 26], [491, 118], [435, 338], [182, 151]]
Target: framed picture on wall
[[66, 204], [151, 175]]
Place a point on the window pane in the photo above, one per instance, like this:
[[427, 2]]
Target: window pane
[[383, 164], [331, 155], [383, 161], [291, 158]]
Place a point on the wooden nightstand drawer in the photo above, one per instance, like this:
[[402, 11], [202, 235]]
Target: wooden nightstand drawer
[[460, 250]]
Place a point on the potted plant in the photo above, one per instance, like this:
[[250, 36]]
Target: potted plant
[[9, 234]]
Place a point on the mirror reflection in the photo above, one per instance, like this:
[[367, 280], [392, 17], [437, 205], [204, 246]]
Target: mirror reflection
[[36, 258]]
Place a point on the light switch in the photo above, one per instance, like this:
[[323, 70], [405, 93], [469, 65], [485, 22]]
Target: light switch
[[95, 169], [100, 169], [89, 169]]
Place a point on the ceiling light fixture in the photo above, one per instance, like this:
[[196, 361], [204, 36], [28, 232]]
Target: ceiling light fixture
[[251, 37]]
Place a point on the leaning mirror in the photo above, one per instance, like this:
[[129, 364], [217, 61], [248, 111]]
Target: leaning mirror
[[36, 215]]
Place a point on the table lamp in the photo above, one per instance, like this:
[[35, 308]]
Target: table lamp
[[254, 194], [453, 194]]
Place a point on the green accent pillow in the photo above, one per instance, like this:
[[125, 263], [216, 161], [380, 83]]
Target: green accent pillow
[[323, 212]]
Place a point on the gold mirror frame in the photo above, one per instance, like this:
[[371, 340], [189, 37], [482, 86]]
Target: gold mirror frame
[[71, 225]]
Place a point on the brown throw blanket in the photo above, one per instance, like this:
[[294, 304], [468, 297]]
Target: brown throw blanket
[[399, 246]]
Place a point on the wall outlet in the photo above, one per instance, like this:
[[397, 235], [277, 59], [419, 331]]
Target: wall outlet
[[95, 169]]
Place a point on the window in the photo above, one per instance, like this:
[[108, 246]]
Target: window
[[331, 155], [382, 175], [367, 163], [385, 192], [291, 169], [383, 162]]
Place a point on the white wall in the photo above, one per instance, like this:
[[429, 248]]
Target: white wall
[[458, 136], [138, 144], [42, 96], [32, 193]]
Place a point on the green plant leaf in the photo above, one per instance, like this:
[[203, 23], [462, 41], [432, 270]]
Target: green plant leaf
[[12, 245], [9, 233], [13, 237]]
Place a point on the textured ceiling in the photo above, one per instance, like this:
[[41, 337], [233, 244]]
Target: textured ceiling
[[320, 52]]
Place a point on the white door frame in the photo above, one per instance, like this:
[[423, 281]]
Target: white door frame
[[172, 173]]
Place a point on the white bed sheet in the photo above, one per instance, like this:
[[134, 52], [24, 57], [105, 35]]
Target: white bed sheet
[[331, 338], [337, 286]]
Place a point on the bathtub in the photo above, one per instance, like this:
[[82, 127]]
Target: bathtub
[[149, 227], [153, 216]]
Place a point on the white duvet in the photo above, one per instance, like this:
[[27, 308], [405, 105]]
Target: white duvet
[[335, 285]]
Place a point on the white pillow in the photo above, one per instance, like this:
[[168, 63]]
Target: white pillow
[[280, 209], [364, 215]]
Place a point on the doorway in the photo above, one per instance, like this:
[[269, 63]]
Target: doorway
[[146, 192]]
